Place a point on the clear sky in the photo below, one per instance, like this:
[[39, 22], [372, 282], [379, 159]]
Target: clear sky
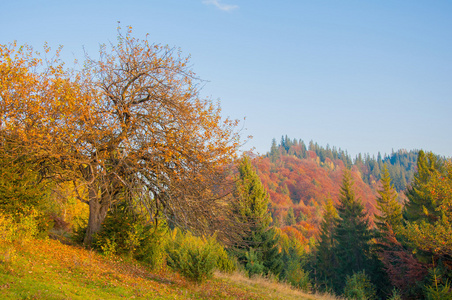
[[364, 76]]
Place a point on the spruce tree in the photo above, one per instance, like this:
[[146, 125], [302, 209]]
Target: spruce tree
[[251, 209], [274, 152], [251, 205], [390, 210], [351, 233], [290, 218], [421, 203], [325, 259]]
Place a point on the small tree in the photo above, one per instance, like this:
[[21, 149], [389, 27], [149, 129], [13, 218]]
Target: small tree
[[290, 218], [359, 287], [390, 209]]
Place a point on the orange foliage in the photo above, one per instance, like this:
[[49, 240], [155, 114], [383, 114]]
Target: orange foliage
[[309, 184], [292, 233], [128, 126]]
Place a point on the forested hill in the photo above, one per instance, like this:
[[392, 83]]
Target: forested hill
[[300, 178]]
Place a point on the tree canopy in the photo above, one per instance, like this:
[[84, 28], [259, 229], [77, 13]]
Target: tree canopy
[[129, 126]]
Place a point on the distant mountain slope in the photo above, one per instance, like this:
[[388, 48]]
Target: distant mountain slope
[[301, 178]]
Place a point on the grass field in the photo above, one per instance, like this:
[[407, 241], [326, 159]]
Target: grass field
[[48, 269]]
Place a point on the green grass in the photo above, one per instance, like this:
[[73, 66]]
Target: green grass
[[47, 269]]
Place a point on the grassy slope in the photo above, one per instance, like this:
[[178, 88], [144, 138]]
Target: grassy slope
[[47, 269]]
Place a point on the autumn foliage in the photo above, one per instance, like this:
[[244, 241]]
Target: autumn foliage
[[129, 126]]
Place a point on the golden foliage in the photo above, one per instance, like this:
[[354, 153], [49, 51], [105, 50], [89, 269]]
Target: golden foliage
[[128, 127]]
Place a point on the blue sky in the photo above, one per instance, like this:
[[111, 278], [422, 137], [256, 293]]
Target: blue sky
[[364, 76]]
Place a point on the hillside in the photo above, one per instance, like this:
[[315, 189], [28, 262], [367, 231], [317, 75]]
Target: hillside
[[48, 269], [301, 178]]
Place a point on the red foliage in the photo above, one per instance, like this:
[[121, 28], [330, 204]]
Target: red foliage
[[403, 268], [305, 184]]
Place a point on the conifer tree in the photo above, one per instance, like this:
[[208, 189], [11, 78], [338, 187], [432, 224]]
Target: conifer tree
[[252, 199], [351, 234], [325, 259], [274, 151], [290, 218], [421, 203], [251, 208], [390, 210]]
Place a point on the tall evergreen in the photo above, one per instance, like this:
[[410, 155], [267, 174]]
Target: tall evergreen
[[421, 203], [326, 262], [351, 233], [251, 209], [274, 151], [252, 199], [390, 210]]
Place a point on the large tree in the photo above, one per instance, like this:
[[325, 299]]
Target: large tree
[[351, 234], [251, 209], [130, 126], [326, 262], [422, 204]]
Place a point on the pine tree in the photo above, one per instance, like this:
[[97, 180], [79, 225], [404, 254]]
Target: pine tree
[[390, 210], [271, 256], [251, 208], [421, 203], [252, 199], [351, 233], [290, 218], [274, 153], [325, 259]]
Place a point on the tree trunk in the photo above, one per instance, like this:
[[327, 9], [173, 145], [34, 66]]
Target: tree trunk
[[97, 212]]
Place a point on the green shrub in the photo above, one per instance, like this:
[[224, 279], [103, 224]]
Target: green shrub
[[439, 289], [253, 265], [225, 263], [120, 232], [21, 185], [358, 286], [23, 193], [195, 257], [19, 227], [298, 278], [153, 241], [395, 295], [125, 232]]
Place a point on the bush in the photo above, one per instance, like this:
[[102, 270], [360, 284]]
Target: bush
[[395, 295], [440, 289], [19, 228], [23, 194], [125, 232], [196, 257], [153, 241], [224, 262], [21, 186], [297, 277], [253, 265], [120, 233], [358, 286]]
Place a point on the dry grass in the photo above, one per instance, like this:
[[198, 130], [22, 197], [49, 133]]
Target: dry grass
[[271, 288]]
